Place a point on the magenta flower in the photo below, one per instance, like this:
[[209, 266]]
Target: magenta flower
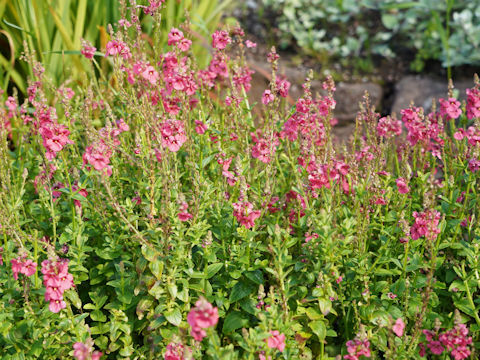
[[85, 351], [357, 348], [250, 44], [176, 351], [202, 316], [276, 341], [88, 50], [173, 134], [174, 36], [398, 327], [450, 108], [220, 39], [245, 214], [201, 127], [16, 267], [402, 186], [473, 103], [267, 97]]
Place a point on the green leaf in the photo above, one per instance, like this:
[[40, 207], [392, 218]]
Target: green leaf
[[319, 328], [256, 276], [174, 316], [325, 305], [212, 269], [98, 315], [235, 320], [73, 297], [313, 314], [240, 290], [157, 268]]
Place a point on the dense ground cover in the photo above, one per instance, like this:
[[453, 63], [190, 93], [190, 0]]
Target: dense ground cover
[[151, 214]]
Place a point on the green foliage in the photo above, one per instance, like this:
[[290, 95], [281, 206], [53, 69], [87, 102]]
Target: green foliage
[[441, 30], [54, 29], [163, 196]]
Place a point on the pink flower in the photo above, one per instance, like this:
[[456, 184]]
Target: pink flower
[[357, 348], [81, 351], [283, 85], [85, 351], [16, 267], [28, 267], [151, 75], [473, 103], [250, 44], [56, 305], [173, 134], [450, 108], [245, 214], [276, 341], [220, 39], [398, 327], [174, 36], [402, 186], [184, 215], [117, 47], [201, 127], [388, 127], [56, 280], [265, 147], [267, 97], [202, 316], [175, 351], [426, 224], [184, 44], [436, 347], [459, 134], [88, 50]]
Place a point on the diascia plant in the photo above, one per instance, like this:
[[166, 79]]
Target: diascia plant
[[153, 214]]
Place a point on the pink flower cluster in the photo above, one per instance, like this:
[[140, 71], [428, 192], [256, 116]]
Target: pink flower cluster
[[402, 186], [323, 175], [23, 266], [357, 348], [245, 214], [84, 351], [98, 155], [455, 340], [172, 134], [118, 47], [308, 120], [201, 317], [265, 147], [231, 178], [57, 280], [220, 39], [398, 327], [419, 129], [184, 215], [176, 351], [426, 224], [267, 97], [450, 108], [87, 49], [153, 7], [55, 137], [175, 37], [473, 103], [276, 341], [388, 127]]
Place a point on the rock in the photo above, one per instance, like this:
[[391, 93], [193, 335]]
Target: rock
[[423, 90], [348, 97]]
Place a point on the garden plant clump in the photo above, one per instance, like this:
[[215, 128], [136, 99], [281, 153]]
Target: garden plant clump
[[152, 214]]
